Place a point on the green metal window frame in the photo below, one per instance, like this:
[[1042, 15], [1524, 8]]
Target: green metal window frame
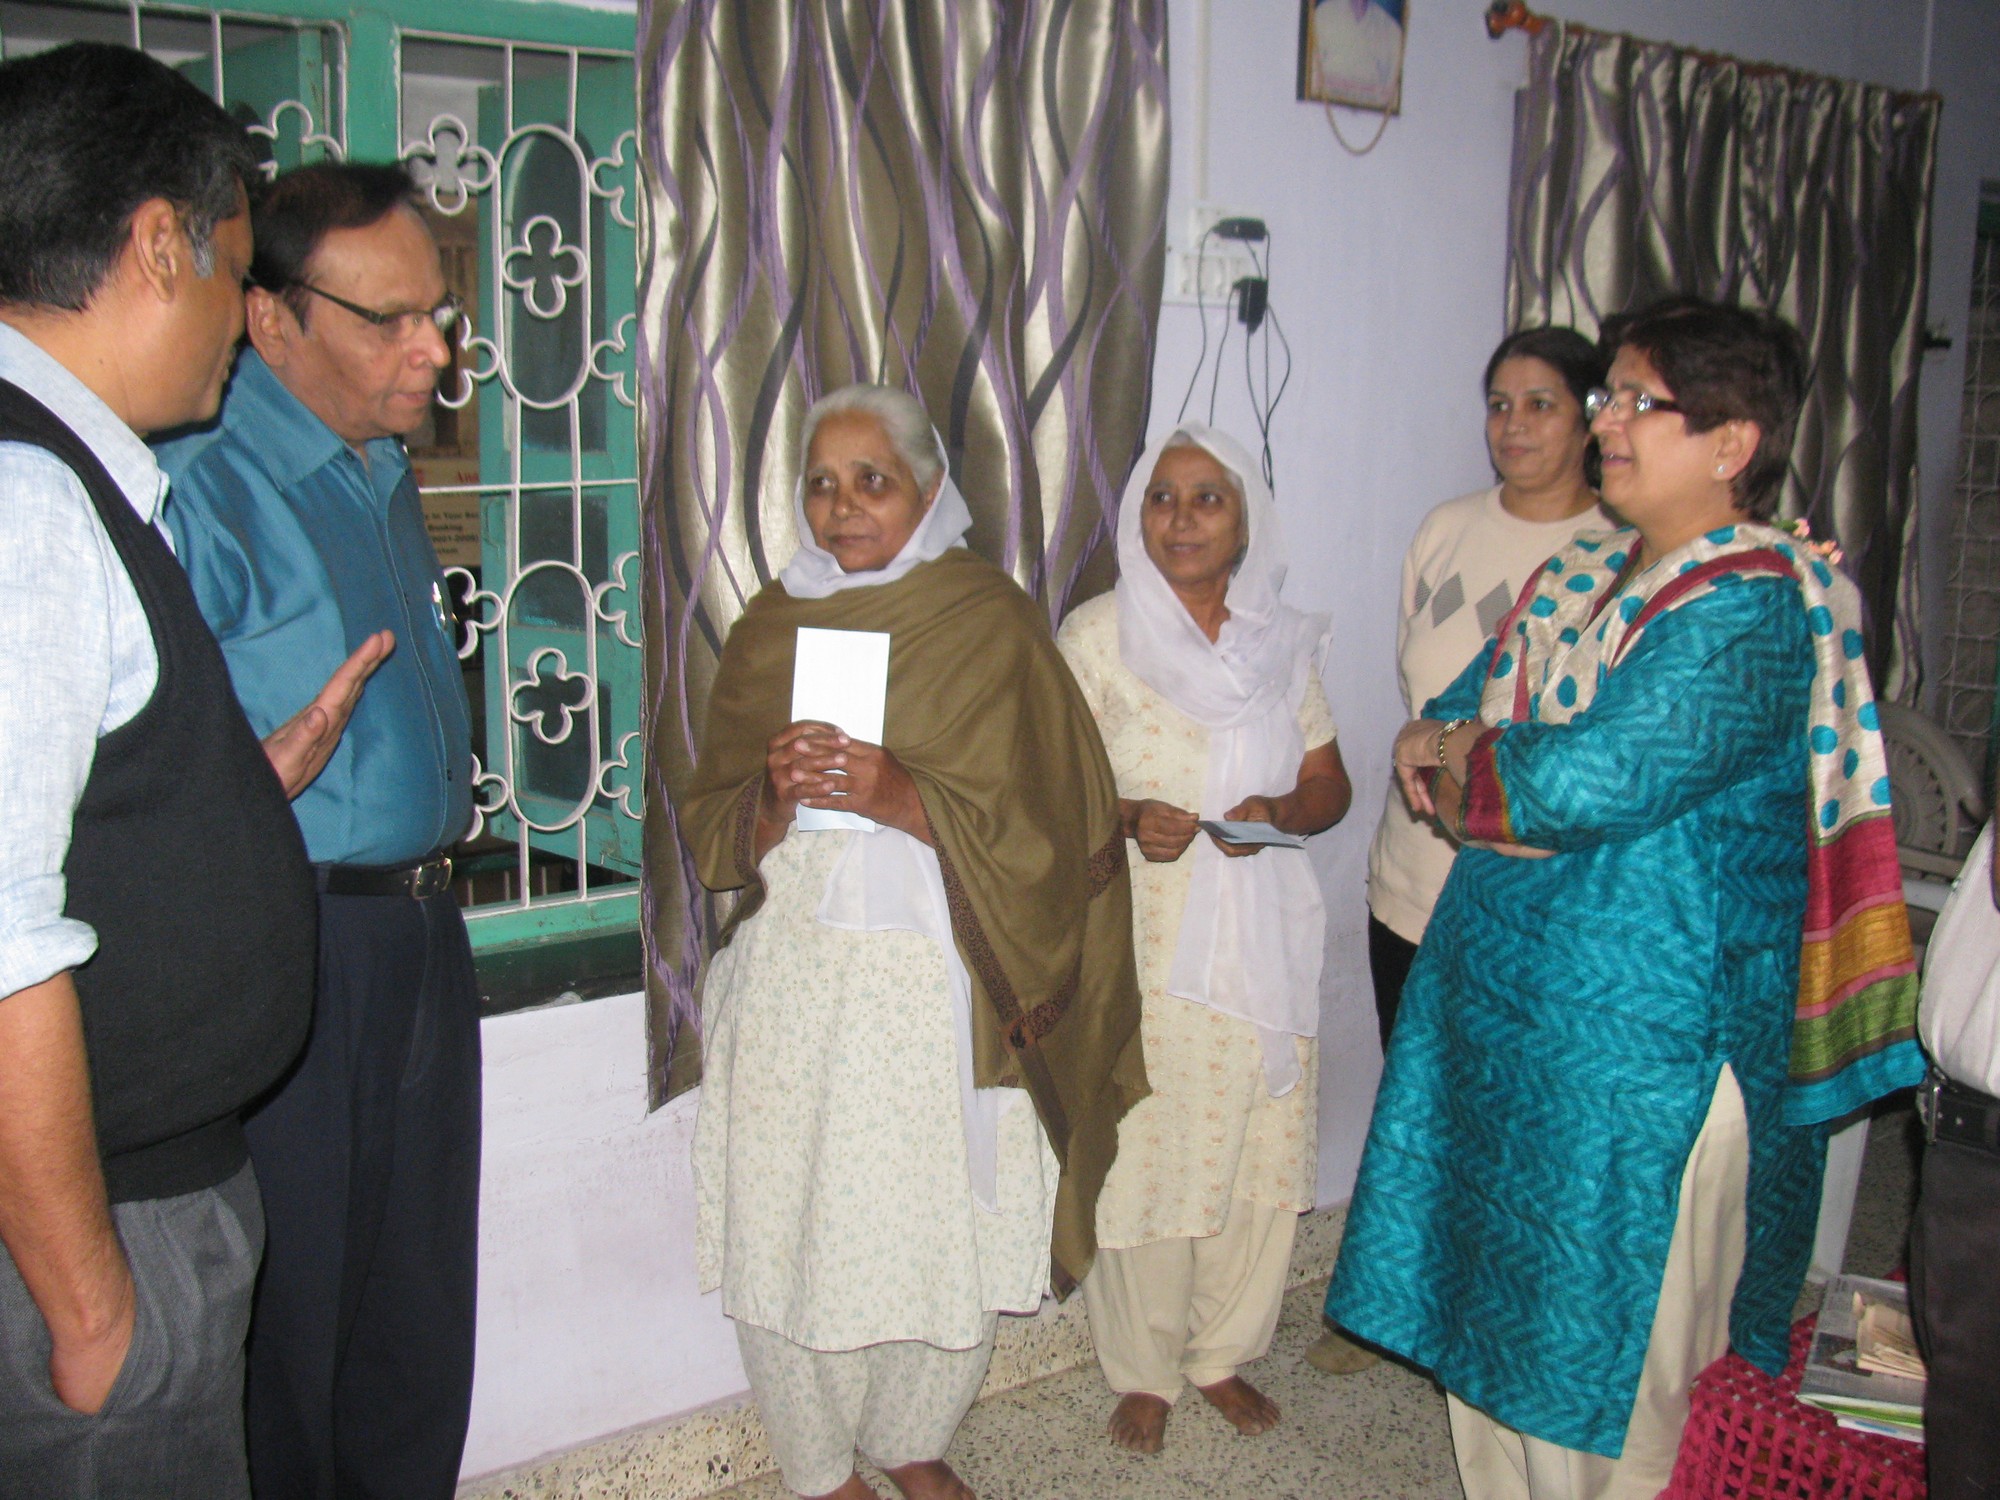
[[368, 109], [374, 45]]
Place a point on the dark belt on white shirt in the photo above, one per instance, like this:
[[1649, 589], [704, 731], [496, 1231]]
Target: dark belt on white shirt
[[429, 876], [1961, 1116]]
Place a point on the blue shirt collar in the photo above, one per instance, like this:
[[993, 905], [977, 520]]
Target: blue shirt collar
[[125, 456], [287, 434]]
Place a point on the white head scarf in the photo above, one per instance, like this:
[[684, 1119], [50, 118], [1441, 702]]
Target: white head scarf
[[886, 881], [814, 572], [1252, 935]]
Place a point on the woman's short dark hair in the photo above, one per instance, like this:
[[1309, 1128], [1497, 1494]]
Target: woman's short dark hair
[[88, 133], [1726, 364], [1580, 363], [1572, 356], [300, 208]]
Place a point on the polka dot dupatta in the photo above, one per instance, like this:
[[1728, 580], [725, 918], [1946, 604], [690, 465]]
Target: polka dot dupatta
[[1854, 1032]]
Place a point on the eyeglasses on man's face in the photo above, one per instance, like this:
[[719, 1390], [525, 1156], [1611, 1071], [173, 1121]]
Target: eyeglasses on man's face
[[401, 326], [1624, 404]]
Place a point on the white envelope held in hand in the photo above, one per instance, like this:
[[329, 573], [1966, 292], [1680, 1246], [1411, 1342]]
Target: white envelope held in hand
[[1251, 833], [841, 677]]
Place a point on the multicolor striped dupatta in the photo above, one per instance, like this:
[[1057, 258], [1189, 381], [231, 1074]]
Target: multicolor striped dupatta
[[1854, 1035]]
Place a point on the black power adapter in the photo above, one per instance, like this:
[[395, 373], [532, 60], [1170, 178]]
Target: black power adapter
[[1248, 230], [1253, 294]]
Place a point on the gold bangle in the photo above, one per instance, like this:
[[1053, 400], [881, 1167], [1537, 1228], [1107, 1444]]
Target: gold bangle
[[1451, 727]]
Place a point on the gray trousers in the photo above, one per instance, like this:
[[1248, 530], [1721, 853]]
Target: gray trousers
[[172, 1427]]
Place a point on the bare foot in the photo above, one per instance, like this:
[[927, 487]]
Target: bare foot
[[1139, 1423], [1246, 1408], [856, 1488], [930, 1480]]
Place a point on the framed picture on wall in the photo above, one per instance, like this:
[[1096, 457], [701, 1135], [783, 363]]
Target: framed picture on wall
[[1351, 52]]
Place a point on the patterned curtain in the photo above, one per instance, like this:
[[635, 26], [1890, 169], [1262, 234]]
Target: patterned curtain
[[963, 197], [1642, 169]]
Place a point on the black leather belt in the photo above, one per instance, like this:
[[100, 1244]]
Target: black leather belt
[[1962, 1116], [420, 881]]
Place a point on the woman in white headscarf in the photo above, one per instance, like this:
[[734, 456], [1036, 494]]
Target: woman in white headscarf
[[908, 1025], [1206, 689]]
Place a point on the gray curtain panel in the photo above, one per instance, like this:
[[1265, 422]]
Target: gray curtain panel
[[1642, 169], [963, 197]]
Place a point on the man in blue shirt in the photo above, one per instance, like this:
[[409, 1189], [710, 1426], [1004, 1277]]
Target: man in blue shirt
[[298, 521]]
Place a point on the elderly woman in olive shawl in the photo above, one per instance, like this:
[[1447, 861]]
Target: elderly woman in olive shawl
[[921, 1036]]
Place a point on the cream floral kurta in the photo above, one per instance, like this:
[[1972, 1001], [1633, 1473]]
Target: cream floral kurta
[[833, 1205], [1210, 1131]]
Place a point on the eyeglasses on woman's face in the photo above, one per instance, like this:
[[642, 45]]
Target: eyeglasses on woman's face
[[1624, 405]]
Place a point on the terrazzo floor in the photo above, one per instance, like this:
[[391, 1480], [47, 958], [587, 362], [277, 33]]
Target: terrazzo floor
[[1379, 1435]]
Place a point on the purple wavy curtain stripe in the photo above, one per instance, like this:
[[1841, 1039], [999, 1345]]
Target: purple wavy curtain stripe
[[1642, 169], [962, 197]]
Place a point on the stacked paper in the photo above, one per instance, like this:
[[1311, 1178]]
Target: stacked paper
[[1864, 1367]]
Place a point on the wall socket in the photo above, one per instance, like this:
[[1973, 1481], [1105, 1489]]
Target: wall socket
[[1211, 272]]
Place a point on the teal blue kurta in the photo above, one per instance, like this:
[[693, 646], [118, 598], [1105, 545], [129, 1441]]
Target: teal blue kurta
[[1566, 1020]]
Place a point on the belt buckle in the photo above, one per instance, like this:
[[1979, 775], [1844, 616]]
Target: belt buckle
[[431, 878], [1927, 1104]]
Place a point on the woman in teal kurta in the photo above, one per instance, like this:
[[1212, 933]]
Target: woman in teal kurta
[[1635, 761]]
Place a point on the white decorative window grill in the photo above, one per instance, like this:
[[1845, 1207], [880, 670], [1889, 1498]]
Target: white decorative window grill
[[283, 78], [529, 463], [529, 470]]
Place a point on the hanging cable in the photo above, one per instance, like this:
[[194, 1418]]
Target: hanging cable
[[1258, 314], [1215, 378], [1257, 406], [1285, 379], [1201, 313], [1247, 301]]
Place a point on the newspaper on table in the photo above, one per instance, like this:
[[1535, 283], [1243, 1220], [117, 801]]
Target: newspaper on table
[[1863, 1366]]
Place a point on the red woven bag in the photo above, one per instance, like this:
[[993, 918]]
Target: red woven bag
[[1748, 1437]]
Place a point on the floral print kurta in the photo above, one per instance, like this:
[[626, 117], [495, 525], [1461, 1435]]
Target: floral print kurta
[[1210, 1132], [832, 1200]]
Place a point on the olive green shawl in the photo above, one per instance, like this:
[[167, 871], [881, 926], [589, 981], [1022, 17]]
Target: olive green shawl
[[1022, 806]]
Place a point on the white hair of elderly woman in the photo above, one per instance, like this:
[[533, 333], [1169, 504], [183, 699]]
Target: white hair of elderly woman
[[903, 420]]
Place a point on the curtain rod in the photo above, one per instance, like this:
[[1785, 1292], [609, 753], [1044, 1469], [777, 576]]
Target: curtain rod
[[1503, 16]]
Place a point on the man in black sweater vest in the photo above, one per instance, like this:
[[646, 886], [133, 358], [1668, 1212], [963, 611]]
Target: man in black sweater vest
[[156, 906]]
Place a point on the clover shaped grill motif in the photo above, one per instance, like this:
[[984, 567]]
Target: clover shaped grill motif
[[539, 262], [448, 166], [479, 364], [477, 613], [620, 381], [490, 795], [539, 701], [607, 778], [309, 135], [600, 600], [611, 176]]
